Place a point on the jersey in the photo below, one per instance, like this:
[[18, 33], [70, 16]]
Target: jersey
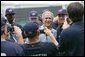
[[40, 49]]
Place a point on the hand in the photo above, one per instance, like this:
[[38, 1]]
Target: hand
[[17, 30], [53, 39], [55, 20], [18, 33], [47, 31], [65, 25]]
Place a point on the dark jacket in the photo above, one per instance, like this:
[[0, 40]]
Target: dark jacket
[[72, 40]]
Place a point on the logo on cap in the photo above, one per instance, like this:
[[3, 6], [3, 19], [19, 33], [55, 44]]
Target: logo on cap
[[10, 10], [33, 13]]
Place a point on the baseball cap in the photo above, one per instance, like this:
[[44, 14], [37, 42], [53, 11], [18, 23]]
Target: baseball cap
[[9, 11], [33, 14], [62, 11], [30, 28]]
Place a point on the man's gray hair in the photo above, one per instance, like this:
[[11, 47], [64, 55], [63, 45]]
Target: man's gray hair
[[46, 10]]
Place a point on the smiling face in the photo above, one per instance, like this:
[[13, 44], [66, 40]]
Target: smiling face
[[47, 18]]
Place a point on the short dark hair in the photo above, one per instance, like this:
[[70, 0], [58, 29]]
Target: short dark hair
[[75, 11]]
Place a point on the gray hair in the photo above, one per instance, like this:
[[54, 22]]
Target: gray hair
[[46, 10]]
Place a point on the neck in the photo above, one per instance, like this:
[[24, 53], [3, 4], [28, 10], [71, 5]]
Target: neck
[[11, 21], [34, 40]]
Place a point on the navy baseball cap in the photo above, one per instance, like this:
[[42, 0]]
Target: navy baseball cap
[[33, 14], [9, 11], [62, 11], [30, 27]]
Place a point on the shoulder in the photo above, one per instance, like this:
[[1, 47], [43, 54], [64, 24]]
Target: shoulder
[[48, 45], [11, 45], [8, 43], [12, 48], [67, 34], [73, 29], [14, 45], [72, 32]]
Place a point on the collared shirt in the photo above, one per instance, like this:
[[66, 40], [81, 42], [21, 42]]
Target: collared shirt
[[44, 38]]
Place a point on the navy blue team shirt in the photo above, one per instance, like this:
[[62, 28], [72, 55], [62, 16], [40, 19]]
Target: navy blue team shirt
[[40, 49], [11, 49]]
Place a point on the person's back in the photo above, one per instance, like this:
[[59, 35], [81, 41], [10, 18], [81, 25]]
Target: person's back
[[72, 38], [34, 47], [11, 49], [8, 48], [40, 49]]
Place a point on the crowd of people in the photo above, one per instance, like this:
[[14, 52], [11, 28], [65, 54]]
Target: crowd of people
[[44, 35]]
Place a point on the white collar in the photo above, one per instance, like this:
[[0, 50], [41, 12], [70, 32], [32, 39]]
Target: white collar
[[3, 39]]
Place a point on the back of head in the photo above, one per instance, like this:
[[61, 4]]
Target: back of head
[[75, 11], [30, 29]]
